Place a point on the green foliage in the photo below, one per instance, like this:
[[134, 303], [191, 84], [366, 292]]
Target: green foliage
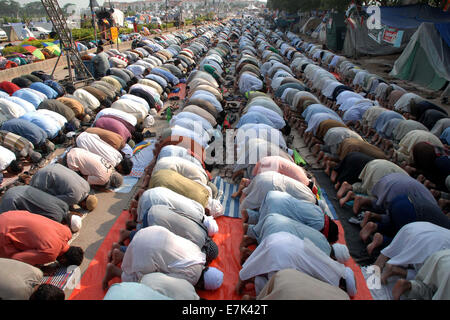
[[9, 50], [83, 34], [125, 30]]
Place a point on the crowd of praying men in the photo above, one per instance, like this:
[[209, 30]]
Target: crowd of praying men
[[384, 149], [102, 125]]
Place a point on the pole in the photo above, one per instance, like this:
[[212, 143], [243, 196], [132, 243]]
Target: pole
[[93, 21]]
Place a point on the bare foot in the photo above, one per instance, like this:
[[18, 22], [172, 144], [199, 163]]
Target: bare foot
[[115, 245], [349, 196], [130, 225], [376, 242], [116, 256], [333, 176], [245, 253], [316, 149], [337, 186], [368, 229], [244, 215], [345, 187], [400, 287], [111, 272], [366, 219], [357, 204], [381, 261], [123, 235], [247, 241]]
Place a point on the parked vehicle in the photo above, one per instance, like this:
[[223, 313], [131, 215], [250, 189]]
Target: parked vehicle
[[3, 35], [40, 32]]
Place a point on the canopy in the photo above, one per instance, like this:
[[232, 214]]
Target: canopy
[[425, 60], [410, 17], [34, 51]]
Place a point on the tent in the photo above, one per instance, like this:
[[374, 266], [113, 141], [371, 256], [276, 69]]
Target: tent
[[359, 40], [398, 25], [336, 29], [426, 58], [11, 33]]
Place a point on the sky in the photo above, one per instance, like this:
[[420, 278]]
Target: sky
[[80, 3]]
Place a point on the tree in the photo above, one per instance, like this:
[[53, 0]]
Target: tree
[[68, 9], [10, 8]]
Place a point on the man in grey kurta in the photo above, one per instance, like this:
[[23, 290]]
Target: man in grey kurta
[[275, 222], [179, 223], [61, 182], [35, 201]]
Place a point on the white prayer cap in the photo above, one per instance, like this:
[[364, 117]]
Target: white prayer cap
[[211, 225], [341, 252], [75, 223], [215, 207], [213, 278], [350, 282], [153, 112], [149, 121]]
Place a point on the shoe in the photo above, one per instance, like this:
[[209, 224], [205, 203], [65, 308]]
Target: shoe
[[358, 219], [149, 134]]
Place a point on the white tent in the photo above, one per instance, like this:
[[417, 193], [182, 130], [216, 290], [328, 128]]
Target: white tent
[[118, 17]]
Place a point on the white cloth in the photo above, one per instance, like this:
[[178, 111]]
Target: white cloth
[[156, 249], [136, 109], [167, 197], [87, 98], [11, 109], [59, 119], [6, 157], [117, 113], [415, 242], [93, 143], [269, 181], [283, 250], [248, 82], [175, 288], [261, 131], [137, 99], [193, 117], [184, 167]]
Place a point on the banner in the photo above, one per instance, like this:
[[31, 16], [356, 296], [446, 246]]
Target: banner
[[393, 36], [114, 33]]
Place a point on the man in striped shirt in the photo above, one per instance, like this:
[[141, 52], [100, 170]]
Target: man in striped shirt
[[19, 145]]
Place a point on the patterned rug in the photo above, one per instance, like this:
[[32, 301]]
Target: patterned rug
[[225, 191]]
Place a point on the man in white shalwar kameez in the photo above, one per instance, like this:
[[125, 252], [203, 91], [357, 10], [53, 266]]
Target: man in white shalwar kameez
[[283, 250], [412, 245], [254, 194], [431, 283], [156, 249]]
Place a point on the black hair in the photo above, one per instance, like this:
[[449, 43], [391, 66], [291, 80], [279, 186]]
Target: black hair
[[211, 250], [74, 256], [48, 292], [127, 166], [15, 167], [286, 130], [333, 232], [138, 137]]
